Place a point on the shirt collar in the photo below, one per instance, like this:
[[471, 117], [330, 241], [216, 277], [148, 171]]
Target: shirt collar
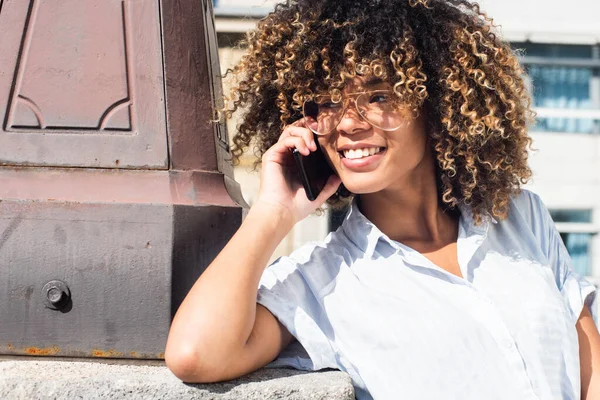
[[362, 232], [366, 236]]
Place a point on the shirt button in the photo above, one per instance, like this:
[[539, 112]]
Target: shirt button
[[507, 343]]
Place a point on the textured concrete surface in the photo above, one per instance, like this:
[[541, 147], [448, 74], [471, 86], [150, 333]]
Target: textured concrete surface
[[94, 380]]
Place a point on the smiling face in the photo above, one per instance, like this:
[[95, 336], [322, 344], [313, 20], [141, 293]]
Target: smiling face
[[370, 159]]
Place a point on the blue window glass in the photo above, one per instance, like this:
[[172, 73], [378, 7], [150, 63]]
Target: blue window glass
[[560, 87], [582, 216], [553, 50], [578, 245]]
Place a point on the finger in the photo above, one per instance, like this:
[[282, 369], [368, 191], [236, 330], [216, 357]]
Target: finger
[[332, 185], [289, 143], [298, 143], [300, 131]]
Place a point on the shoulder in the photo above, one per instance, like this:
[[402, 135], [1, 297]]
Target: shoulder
[[528, 227], [531, 222], [530, 207], [321, 250], [312, 262], [527, 202]]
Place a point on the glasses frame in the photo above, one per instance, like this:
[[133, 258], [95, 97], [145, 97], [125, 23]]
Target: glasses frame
[[346, 99]]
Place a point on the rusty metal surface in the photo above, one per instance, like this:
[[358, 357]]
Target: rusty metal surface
[[128, 266], [104, 361], [109, 186], [192, 86], [81, 84], [103, 227]]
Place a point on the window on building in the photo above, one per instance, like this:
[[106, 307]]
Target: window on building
[[565, 84], [576, 231]]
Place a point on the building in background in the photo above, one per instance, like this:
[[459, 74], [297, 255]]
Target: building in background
[[561, 53], [562, 59]]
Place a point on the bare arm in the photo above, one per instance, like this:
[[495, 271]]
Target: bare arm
[[215, 321], [219, 331], [589, 355]]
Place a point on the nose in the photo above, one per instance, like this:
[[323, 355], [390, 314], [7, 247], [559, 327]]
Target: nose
[[351, 121]]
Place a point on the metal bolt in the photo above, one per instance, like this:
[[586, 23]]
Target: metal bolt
[[56, 294]]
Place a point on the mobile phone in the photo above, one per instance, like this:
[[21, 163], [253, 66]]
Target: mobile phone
[[313, 171]]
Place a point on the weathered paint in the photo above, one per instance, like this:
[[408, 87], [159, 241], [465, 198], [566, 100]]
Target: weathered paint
[[128, 267], [71, 351], [36, 351], [193, 85], [126, 235], [111, 353], [112, 186]]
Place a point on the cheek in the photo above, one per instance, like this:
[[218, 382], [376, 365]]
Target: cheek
[[411, 148]]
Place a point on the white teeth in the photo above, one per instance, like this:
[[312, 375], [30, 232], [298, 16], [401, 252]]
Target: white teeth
[[360, 153]]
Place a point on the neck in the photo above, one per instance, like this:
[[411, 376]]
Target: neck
[[410, 212]]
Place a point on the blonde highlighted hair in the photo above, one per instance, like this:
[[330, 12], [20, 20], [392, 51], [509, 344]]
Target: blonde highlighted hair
[[441, 57]]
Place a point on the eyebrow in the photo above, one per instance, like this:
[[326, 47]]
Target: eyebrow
[[372, 81]]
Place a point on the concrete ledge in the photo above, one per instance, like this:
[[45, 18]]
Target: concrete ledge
[[94, 380]]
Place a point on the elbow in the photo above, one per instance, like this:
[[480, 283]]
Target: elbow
[[184, 363], [187, 364]]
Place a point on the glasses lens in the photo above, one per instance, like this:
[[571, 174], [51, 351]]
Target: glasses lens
[[322, 114], [380, 108]]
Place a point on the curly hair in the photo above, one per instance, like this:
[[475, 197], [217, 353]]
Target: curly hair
[[440, 56]]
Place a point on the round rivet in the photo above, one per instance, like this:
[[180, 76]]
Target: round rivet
[[56, 295]]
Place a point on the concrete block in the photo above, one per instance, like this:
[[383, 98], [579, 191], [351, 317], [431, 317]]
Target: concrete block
[[31, 379]]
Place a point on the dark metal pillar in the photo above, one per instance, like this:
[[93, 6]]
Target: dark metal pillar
[[115, 186]]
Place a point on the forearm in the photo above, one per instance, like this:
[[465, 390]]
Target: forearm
[[591, 388], [218, 314], [589, 355]]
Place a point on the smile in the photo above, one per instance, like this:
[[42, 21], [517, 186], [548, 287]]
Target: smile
[[354, 154]]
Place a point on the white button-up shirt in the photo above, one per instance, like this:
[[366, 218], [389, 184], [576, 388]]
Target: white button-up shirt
[[403, 328]]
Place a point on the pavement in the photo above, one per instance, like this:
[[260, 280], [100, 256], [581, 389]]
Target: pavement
[[50, 379]]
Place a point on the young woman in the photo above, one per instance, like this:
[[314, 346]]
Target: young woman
[[445, 281]]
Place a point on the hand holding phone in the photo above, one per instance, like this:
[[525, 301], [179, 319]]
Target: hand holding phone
[[314, 171]]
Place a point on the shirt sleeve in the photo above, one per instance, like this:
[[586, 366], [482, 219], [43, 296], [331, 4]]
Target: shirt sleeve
[[285, 291], [575, 289]]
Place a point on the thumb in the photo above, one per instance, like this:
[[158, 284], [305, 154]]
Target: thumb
[[333, 183]]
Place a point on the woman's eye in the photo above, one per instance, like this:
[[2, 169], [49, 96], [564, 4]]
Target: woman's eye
[[328, 105], [379, 98]]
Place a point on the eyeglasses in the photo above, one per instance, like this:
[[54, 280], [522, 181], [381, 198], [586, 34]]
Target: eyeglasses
[[380, 108]]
